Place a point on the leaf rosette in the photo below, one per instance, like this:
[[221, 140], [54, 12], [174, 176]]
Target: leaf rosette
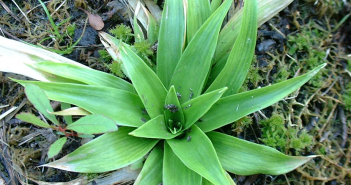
[[170, 112]]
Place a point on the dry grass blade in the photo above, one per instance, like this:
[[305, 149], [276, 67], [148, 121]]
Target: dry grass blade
[[154, 9], [9, 11], [141, 16]]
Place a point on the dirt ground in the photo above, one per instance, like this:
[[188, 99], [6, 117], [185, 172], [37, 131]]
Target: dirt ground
[[315, 120]]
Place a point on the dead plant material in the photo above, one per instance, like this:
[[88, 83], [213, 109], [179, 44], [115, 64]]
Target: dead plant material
[[95, 20]]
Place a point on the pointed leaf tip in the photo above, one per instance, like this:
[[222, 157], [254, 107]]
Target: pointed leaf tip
[[93, 124]]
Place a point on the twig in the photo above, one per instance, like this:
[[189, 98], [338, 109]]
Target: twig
[[14, 2], [58, 7], [9, 11], [325, 92], [344, 126], [9, 35]]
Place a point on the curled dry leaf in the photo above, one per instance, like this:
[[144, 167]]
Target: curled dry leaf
[[95, 20]]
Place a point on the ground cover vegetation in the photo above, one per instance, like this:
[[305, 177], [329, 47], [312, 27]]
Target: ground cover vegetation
[[313, 120]]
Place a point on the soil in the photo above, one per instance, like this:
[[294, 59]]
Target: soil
[[313, 27]]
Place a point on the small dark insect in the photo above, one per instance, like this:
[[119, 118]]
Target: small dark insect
[[188, 139], [171, 107], [179, 96], [143, 120], [191, 94], [143, 111]]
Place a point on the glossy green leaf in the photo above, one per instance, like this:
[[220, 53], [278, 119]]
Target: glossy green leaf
[[198, 11], [231, 182], [68, 119], [149, 87], [85, 75], [191, 72], [197, 107], [215, 4], [86, 136], [123, 107], [266, 10], [152, 169], [170, 40], [56, 147], [93, 124], [152, 28], [155, 128], [40, 101], [31, 118], [237, 66], [246, 158], [108, 152], [196, 151], [172, 108], [137, 164], [231, 108], [175, 172]]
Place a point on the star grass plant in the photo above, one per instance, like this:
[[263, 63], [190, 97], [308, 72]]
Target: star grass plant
[[171, 114]]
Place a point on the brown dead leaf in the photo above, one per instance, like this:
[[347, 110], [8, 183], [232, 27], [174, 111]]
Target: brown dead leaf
[[95, 20]]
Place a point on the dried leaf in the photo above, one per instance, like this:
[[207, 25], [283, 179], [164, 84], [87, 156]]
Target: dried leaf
[[95, 20]]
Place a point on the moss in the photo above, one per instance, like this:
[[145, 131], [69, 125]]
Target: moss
[[104, 56], [347, 97], [70, 29], [122, 32], [306, 45], [253, 77], [277, 135], [143, 49], [240, 125], [115, 68]]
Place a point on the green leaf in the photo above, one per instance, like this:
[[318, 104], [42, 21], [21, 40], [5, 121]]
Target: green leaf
[[215, 4], [137, 164], [197, 107], [31, 118], [175, 172], [172, 33], [86, 136], [231, 108], [266, 10], [152, 28], [56, 147], [68, 119], [108, 152], [152, 169], [193, 67], [93, 124], [246, 158], [172, 108], [196, 151], [237, 66], [155, 128], [149, 87], [198, 11], [123, 107], [85, 75], [231, 182], [40, 101]]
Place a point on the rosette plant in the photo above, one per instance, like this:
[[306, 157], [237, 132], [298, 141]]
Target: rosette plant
[[169, 114]]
